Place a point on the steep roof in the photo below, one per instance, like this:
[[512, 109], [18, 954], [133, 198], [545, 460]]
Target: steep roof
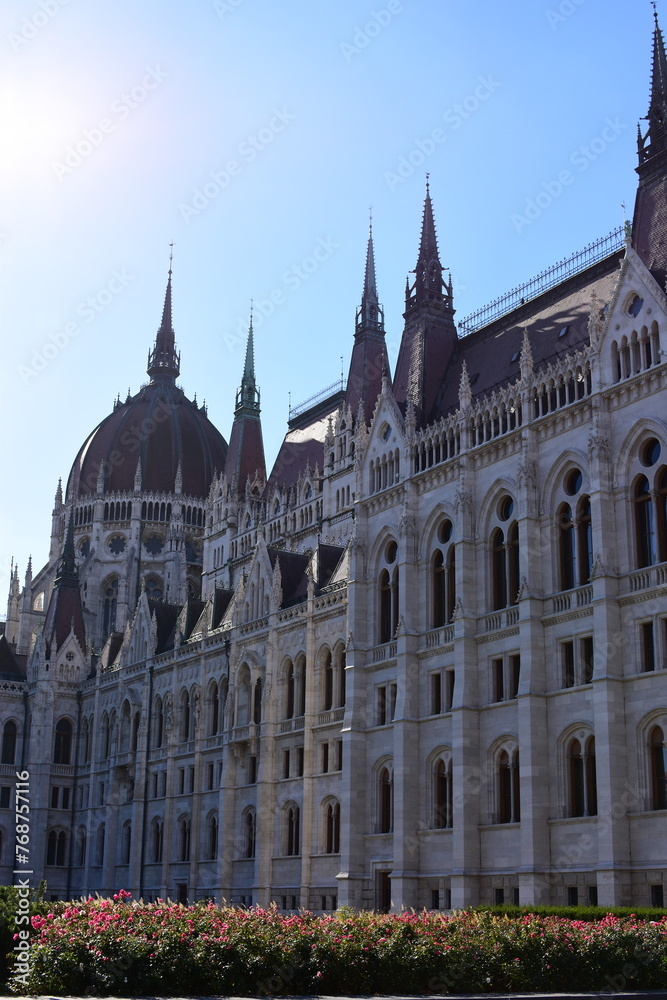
[[12, 665], [492, 353]]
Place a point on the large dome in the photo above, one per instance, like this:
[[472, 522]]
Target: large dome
[[160, 427]]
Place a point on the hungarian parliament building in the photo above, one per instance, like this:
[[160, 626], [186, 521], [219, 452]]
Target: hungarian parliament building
[[419, 662]]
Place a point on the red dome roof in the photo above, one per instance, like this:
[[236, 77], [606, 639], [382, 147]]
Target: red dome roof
[[163, 428]]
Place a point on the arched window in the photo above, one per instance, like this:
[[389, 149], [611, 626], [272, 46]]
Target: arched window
[[328, 682], [109, 606], [289, 690], [184, 840], [508, 787], [644, 523], [300, 687], [212, 846], [388, 587], [62, 752], [444, 577], [56, 849], [332, 819], [158, 722], [81, 847], [249, 835], [9, 733], [442, 795], [125, 728], [512, 563], [186, 720], [342, 681], [154, 588], [243, 696], [84, 750], [293, 830], [385, 801], [658, 752], [105, 737], [158, 840]]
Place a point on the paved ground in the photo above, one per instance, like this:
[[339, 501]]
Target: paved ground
[[646, 995]]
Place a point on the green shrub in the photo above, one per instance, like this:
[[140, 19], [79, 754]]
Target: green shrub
[[107, 947], [575, 912], [9, 904]]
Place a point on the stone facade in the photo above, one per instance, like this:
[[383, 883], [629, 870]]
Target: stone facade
[[422, 663]]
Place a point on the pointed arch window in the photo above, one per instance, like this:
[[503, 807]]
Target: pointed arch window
[[9, 734], [101, 839], [658, 752], [385, 801], [567, 548], [257, 702], [81, 847], [185, 716], [158, 715], [582, 777], [289, 690], [498, 569], [293, 831], [126, 845], [56, 848], [661, 499], [509, 810], [332, 818], [444, 577], [389, 594], [184, 839]]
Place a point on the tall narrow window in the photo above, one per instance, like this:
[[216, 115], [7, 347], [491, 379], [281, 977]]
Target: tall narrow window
[[644, 523], [158, 836], [9, 732], [249, 835], [504, 788], [584, 541], [184, 837], [385, 811], [385, 607], [257, 702], [576, 767], [212, 838], [513, 563], [327, 702], [499, 581], [568, 558], [439, 614], [587, 652], [442, 797], [388, 585], [289, 693], [661, 499], [658, 768], [342, 680], [567, 660], [293, 830], [333, 828], [214, 710], [62, 753]]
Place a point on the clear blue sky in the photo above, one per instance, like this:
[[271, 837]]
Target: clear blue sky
[[115, 113]]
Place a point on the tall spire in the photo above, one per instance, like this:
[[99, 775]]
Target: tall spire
[[655, 140], [369, 354], [65, 612], [164, 362], [245, 455], [370, 314], [66, 572], [429, 285], [248, 395], [650, 215]]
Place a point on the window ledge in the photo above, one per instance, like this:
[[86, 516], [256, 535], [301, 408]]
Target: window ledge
[[564, 820]]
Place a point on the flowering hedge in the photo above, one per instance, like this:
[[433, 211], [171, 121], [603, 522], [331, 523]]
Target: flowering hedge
[[102, 946]]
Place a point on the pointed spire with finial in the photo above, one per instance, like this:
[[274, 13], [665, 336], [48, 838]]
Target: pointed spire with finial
[[164, 363], [429, 285], [248, 395], [66, 572], [58, 501], [370, 314], [655, 140]]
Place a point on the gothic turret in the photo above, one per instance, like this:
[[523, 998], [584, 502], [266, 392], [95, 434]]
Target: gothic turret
[[65, 612], [649, 227], [429, 337], [369, 354], [164, 363], [245, 456]]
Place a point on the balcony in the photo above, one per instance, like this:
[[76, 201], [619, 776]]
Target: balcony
[[580, 597]]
